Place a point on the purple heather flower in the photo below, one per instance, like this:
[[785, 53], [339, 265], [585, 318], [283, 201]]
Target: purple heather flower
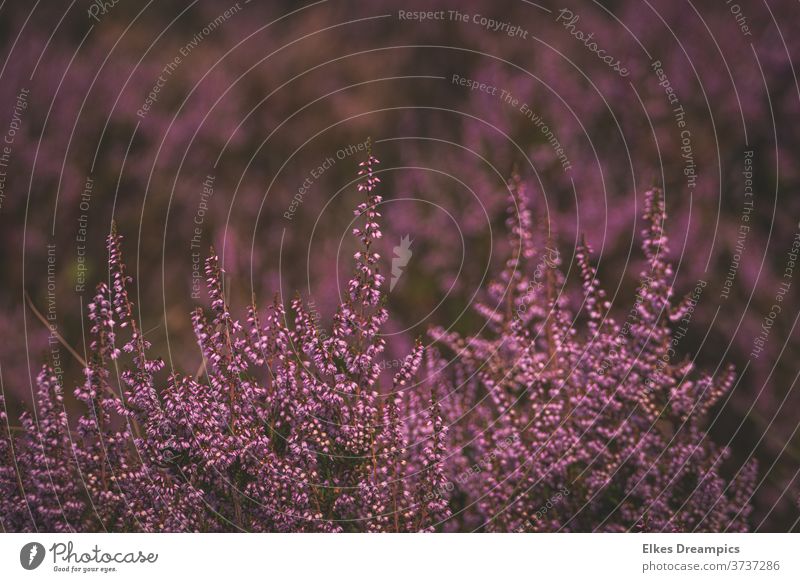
[[289, 429]]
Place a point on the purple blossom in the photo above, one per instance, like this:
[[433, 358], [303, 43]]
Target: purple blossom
[[586, 405], [288, 428]]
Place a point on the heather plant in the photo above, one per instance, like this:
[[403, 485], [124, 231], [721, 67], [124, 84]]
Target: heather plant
[[81, 122], [287, 429], [554, 399], [533, 425]]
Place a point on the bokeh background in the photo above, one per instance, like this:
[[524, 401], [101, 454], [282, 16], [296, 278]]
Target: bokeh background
[[192, 124]]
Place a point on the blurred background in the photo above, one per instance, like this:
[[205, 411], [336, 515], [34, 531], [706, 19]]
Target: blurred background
[[239, 125]]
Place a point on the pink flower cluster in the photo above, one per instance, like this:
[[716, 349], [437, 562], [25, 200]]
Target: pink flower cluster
[[288, 428], [561, 397]]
